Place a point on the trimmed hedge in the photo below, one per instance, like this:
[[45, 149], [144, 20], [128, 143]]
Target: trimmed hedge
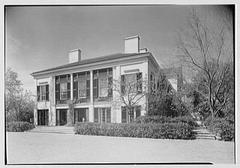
[[18, 126], [162, 119], [222, 127], [150, 130]]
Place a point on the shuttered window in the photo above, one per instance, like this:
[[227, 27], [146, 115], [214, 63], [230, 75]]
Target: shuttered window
[[95, 114], [126, 117], [131, 83], [102, 84], [43, 93], [102, 115], [62, 88]]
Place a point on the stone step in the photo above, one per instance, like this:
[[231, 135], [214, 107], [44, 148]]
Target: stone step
[[203, 133], [206, 138]]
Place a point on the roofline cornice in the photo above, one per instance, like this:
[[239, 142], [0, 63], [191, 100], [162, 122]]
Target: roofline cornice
[[142, 55]]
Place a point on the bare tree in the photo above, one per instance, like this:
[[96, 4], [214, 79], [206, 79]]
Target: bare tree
[[129, 92], [207, 51]]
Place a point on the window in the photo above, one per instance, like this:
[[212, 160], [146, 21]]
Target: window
[[82, 91], [62, 88], [102, 84], [131, 83], [102, 115], [63, 91], [127, 118], [43, 93], [81, 86], [103, 87]]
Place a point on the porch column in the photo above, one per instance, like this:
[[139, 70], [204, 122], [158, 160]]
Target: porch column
[[71, 86], [91, 108]]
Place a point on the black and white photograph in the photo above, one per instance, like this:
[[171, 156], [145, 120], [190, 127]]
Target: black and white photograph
[[119, 84]]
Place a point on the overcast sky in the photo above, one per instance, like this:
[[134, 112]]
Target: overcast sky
[[39, 37]]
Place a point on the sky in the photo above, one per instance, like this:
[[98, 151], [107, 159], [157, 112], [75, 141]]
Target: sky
[[40, 37]]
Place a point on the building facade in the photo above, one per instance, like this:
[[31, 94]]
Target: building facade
[[91, 90]]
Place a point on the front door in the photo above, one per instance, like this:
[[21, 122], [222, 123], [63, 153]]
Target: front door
[[61, 117], [42, 117]]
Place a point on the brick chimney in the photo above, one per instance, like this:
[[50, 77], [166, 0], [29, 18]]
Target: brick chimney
[[74, 56]]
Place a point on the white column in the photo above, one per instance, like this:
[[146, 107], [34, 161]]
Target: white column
[[116, 105], [35, 117], [91, 108], [91, 87], [53, 102], [71, 86]]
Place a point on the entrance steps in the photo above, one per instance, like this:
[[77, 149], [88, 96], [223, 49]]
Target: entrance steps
[[203, 133], [53, 129]]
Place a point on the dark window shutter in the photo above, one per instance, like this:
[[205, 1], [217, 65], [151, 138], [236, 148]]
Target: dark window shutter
[[124, 115], [75, 90], [108, 115], [57, 91], [95, 88], [88, 89], [68, 90], [95, 114], [122, 84], [110, 87], [139, 82], [138, 111], [38, 93], [47, 92]]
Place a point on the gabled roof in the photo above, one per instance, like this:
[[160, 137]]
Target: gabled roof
[[93, 60]]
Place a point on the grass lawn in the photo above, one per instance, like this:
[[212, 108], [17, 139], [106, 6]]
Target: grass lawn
[[37, 148]]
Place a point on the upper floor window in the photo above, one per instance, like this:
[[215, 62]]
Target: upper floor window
[[62, 88], [102, 83], [131, 83], [63, 91], [81, 86], [43, 93]]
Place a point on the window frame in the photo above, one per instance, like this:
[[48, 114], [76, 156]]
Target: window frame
[[43, 92]]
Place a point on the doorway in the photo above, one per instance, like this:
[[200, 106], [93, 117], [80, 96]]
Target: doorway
[[42, 117], [61, 117]]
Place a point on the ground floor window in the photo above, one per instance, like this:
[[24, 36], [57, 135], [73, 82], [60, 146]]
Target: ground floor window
[[61, 116], [127, 118], [102, 115], [81, 115], [42, 116]]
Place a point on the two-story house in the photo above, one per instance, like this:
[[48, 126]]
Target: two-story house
[[88, 85]]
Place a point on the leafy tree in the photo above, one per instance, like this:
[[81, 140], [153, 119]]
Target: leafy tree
[[163, 100], [19, 105]]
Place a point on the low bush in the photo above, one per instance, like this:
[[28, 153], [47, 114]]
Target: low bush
[[162, 119], [18, 126], [150, 130], [152, 119], [223, 127]]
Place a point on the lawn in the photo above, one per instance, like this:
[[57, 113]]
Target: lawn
[[38, 148]]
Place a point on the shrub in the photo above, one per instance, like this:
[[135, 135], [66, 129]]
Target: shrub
[[185, 119], [162, 119], [224, 127], [149, 130], [18, 126], [152, 119]]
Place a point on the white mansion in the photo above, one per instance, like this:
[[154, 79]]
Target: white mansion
[[88, 83]]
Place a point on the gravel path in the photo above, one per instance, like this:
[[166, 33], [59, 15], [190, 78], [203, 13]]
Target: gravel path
[[39, 148]]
